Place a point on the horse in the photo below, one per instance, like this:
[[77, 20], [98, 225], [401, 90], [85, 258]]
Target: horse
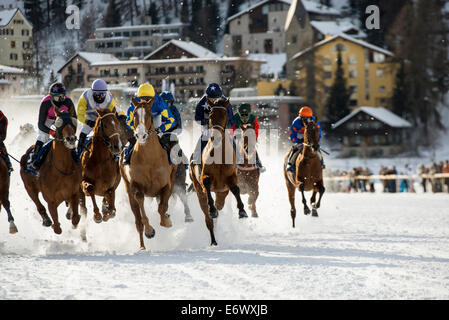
[[100, 169], [59, 176], [248, 174], [4, 195], [308, 174], [149, 172], [179, 189], [220, 177]]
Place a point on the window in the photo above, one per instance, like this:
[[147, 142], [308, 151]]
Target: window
[[13, 56], [379, 73], [352, 74], [353, 103], [340, 46], [110, 44], [118, 34], [25, 32], [79, 68], [352, 60], [13, 44], [146, 33], [382, 89], [327, 61], [118, 44], [353, 89], [327, 75], [126, 34], [135, 33], [26, 45], [379, 57], [171, 70], [294, 39]]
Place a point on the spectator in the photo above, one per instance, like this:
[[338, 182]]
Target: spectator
[[446, 170], [423, 171]]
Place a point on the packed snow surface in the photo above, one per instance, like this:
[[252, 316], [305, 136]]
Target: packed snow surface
[[362, 246]]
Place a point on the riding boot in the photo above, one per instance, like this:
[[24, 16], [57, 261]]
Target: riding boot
[[321, 159], [129, 151], [33, 164], [81, 141], [292, 159]]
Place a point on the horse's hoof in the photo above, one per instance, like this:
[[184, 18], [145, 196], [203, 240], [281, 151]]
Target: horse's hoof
[[106, 217], [98, 218], [142, 249], [188, 218], [214, 243], [166, 223], [151, 234], [68, 215], [306, 211], [213, 213], [47, 223], [57, 230], [242, 214], [254, 215], [314, 213], [13, 229]]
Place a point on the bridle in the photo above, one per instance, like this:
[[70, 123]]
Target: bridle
[[107, 139], [217, 125]]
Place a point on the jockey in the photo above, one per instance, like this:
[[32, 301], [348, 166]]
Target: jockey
[[96, 98], [169, 100], [159, 108], [3, 152], [213, 97], [55, 99], [297, 136], [245, 117]]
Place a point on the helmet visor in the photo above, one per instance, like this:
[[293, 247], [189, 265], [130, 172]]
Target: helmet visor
[[58, 97], [99, 96]]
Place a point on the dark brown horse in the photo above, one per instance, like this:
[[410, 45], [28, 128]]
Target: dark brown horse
[[4, 195], [149, 172], [309, 173], [101, 172], [247, 172], [217, 172], [59, 176]]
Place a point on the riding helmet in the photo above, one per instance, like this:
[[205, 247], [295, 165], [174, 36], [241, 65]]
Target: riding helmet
[[167, 96], [305, 112], [145, 90], [214, 91], [57, 88], [99, 85]]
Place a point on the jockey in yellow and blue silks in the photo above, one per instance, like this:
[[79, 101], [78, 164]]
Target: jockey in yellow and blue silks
[[159, 108], [297, 136]]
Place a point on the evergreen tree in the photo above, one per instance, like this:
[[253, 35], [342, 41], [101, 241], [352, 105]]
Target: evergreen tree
[[400, 103], [112, 17], [58, 14], [233, 8], [337, 105], [153, 13], [88, 24], [34, 13], [185, 11], [212, 29], [52, 79], [79, 3]]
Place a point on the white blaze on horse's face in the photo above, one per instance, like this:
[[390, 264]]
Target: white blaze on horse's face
[[140, 132]]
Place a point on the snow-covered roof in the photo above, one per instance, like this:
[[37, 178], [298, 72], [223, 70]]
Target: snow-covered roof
[[345, 37], [6, 16], [188, 46], [336, 27], [381, 114], [274, 62], [8, 69], [141, 27], [92, 57]]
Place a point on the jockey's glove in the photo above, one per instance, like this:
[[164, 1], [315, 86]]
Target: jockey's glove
[[52, 133]]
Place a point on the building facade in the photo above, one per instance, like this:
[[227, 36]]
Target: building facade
[[16, 44], [133, 41], [12, 81], [369, 70]]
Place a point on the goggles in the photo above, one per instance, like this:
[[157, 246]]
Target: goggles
[[58, 97], [308, 119], [99, 95]]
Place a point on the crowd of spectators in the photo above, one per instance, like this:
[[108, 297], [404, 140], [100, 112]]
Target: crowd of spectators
[[401, 184]]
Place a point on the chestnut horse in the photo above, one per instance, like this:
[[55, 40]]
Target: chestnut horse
[[309, 173], [101, 172], [149, 172], [59, 176], [4, 195], [247, 172], [218, 173]]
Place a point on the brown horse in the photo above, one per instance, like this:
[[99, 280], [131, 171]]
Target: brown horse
[[149, 172], [248, 174], [4, 195], [309, 173], [101, 172], [59, 176], [218, 170]]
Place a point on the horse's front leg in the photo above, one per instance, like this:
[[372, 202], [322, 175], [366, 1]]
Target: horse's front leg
[[149, 230], [304, 201], [213, 213], [74, 203], [236, 192], [12, 226], [53, 208], [109, 204], [89, 190], [312, 201], [291, 198], [163, 207], [321, 190]]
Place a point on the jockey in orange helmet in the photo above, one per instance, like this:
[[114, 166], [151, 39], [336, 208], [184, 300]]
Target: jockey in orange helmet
[[297, 135]]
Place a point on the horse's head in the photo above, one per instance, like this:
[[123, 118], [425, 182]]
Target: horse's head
[[311, 135], [218, 116], [143, 120], [66, 128], [109, 128]]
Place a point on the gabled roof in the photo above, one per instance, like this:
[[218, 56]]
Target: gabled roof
[[188, 46], [298, 7], [90, 57], [345, 37], [381, 114], [7, 15], [335, 27]]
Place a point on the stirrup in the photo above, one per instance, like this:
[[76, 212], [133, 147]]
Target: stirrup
[[262, 169]]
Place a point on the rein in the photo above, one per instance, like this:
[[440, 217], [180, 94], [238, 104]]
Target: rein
[[106, 139], [59, 171]]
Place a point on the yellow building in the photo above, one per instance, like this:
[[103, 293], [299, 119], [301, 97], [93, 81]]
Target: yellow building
[[15, 40], [368, 69], [272, 88]]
